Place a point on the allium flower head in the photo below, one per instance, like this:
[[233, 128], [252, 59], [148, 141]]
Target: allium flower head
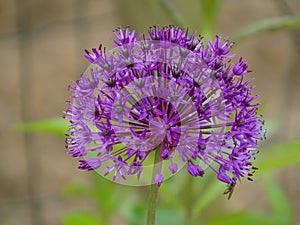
[[166, 93]]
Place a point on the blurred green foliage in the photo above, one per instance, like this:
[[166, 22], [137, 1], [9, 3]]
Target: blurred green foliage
[[184, 200], [80, 217], [56, 126], [279, 156], [210, 12], [267, 25]]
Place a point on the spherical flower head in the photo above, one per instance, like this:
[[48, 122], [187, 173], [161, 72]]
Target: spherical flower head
[[169, 93]]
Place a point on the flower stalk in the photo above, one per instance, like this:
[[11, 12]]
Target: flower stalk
[[153, 195]]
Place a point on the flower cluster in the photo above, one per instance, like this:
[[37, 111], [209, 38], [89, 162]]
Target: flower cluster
[[169, 94]]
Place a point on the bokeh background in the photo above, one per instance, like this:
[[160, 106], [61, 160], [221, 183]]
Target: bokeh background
[[41, 53]]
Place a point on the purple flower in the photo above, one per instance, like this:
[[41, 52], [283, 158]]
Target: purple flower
[[90, 164], [173, 168], [240, 68], [166, 92], [195, 170], [159, 178]]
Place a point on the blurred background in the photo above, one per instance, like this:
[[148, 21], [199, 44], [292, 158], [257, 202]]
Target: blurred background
[[41, 53]]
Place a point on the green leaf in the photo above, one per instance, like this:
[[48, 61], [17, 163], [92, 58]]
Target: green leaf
[[280, 205], [170, 191], [56, 126], [244, 218], [139, 213], [76, 189], [80, 218], [164, 215], [168, 216], [267, 25], [281, 210], [212, 193], [279, 156], [127, 205], [209, 12], [108, 195], [172, 12], [105, 194]]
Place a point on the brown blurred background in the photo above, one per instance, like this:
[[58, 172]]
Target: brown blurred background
[[41, 53]]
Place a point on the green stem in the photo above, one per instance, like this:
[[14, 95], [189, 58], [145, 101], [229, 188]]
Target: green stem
[[189, 199], [171, 11], [210, 11], [153, 191]]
